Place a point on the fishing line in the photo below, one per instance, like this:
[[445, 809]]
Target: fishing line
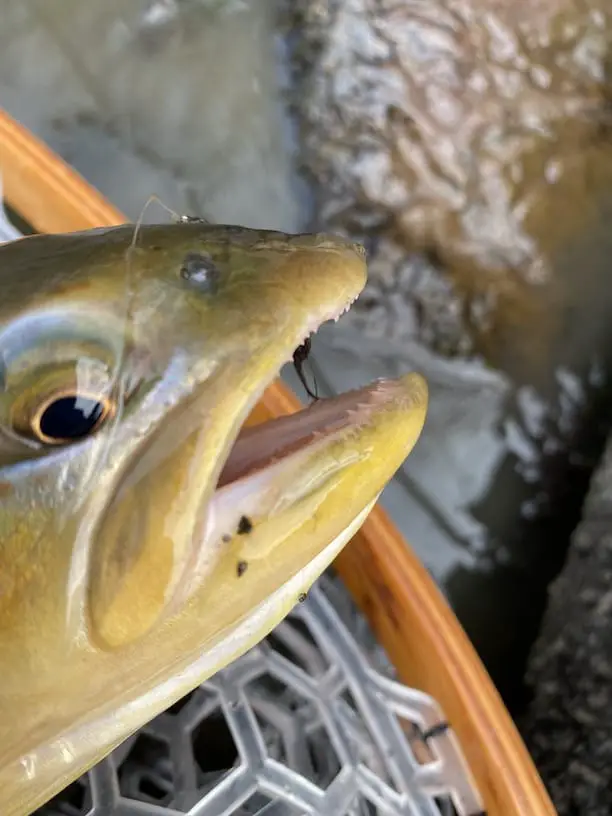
[[118, 380]]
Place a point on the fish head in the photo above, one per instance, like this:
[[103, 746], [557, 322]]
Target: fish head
[[147, 537]]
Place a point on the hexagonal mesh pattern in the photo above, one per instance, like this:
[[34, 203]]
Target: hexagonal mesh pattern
[[302, 724]]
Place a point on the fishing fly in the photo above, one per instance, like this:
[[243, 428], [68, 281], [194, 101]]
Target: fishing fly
[[300, 355]]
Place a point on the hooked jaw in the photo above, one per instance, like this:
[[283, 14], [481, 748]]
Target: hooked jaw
[[285, 479], [257, 447], [261, 446], [382, 420], [298, 486], [359, 420]]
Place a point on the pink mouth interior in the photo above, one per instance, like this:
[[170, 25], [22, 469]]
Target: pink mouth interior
[[258, 446]]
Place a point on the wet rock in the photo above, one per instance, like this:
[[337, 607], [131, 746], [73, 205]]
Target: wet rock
[[468, 132], [166, 97], [568, 726]]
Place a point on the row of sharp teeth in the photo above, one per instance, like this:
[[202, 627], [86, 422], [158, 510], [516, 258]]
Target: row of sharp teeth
[[335, 319], [346, 309]]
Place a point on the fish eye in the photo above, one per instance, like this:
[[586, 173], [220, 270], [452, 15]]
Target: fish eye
[[69, 416]]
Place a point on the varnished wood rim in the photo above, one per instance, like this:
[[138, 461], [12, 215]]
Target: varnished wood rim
[[410, 617]]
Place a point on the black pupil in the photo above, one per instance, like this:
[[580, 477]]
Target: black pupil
[[70, 417]]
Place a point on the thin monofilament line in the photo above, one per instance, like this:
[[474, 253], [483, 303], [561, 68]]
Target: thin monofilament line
[[120, 377], [118, 380]]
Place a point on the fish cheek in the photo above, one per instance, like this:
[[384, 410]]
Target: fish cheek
[[131, 570]]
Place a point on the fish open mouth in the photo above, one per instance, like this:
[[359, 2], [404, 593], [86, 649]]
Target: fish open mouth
[[277, 470], [259, 446]]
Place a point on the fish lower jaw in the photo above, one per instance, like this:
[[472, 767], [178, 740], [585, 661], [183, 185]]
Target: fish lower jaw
[[275, 608], [259, 446], [274, 467]]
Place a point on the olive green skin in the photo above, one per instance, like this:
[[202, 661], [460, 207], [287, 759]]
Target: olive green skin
[[115, 596]]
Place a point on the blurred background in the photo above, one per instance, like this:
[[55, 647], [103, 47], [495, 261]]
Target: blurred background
[[469, 151]]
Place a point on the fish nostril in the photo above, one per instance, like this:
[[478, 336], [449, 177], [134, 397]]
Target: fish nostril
[[200, 270]]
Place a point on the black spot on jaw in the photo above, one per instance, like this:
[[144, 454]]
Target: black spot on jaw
[[226, 538], [200, 271], [245, 525], [241, 568], [302, 597]]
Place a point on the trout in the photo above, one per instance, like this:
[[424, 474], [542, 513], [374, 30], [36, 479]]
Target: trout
[[148, 537]]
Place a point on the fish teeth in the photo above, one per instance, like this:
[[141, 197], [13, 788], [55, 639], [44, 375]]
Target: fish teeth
[[343, 311]]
